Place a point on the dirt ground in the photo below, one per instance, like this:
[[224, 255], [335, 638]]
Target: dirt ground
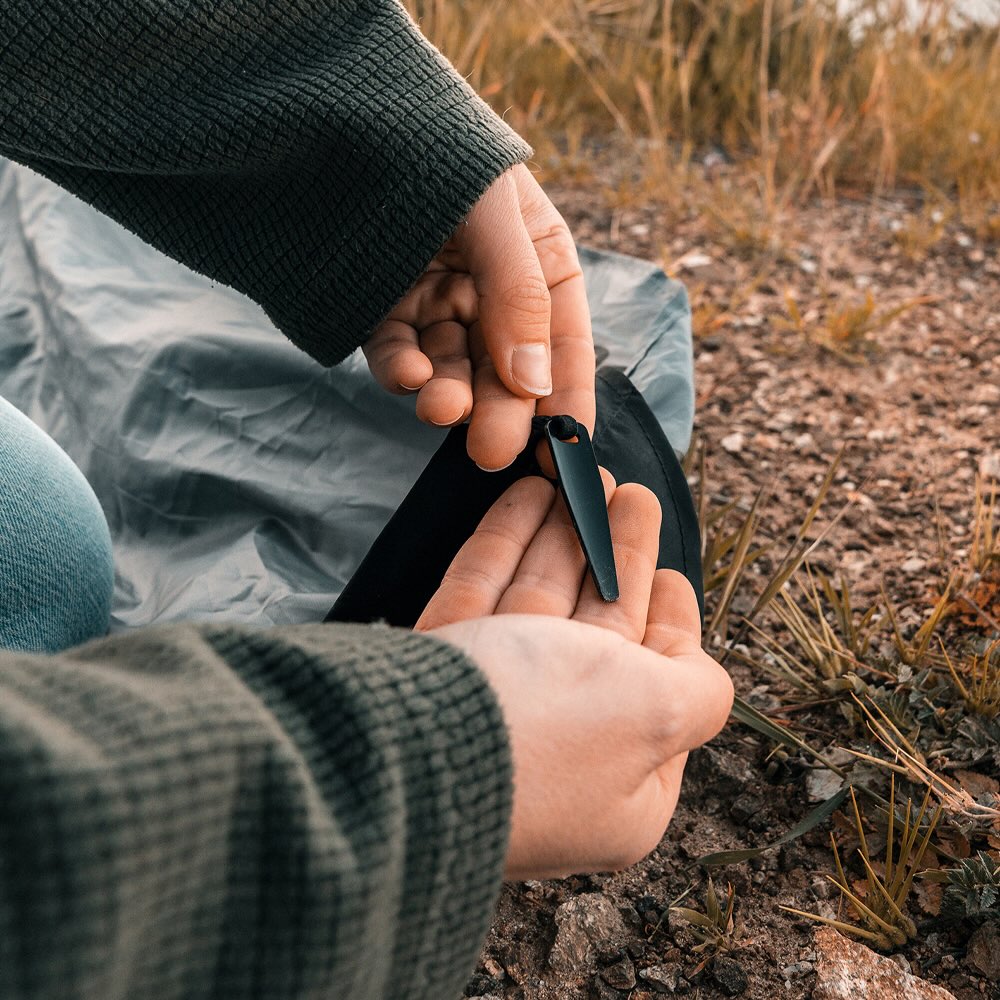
[[916, 402]]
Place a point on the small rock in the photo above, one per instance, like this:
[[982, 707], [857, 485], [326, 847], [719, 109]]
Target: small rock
[[797, 969], [729, 976], [665, 978], [914, 565], [989, 466], [621, 975], [761, 697], [949, 963], [733, 443], [599, 990], [586, 926], [692, 260], [901, 961], [481, 985], [821, 888], [847, 970], [493, 967], [821, 784], [743, 807], [984, 951]]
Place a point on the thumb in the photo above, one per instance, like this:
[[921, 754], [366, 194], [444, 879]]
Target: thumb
[[514, 305], [673, 621]]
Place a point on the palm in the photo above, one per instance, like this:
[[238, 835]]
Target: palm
[[600, 726]]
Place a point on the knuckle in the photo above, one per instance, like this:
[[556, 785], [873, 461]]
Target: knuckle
[[527, 294]]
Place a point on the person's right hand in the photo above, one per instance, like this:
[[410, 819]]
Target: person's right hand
[[602, 701]]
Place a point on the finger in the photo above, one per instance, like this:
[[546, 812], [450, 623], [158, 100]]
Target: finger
[[696, 693], [514, 305], [673, 625], [438, 296], [548, 579], [501, 422], [395, 359], [446, 399], [573, 369], [634, 514], [486, 564], [571, 338]]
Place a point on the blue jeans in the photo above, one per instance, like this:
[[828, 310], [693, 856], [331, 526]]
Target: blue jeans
[[56, 572]]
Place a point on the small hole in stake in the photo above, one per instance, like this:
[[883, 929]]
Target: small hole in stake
[[564, 428]]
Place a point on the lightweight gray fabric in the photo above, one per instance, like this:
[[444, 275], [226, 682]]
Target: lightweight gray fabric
[[240, 479]]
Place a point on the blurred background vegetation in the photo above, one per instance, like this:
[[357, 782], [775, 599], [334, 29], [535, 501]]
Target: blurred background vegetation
[[808, 97]]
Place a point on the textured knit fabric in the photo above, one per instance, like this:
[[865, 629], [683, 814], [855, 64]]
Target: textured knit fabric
[[206, 812], [56, 572], [314, 154]]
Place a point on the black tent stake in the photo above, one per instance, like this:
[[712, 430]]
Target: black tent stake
[[583, 491]]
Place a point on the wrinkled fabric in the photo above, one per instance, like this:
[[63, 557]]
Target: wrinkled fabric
[[240, 479]]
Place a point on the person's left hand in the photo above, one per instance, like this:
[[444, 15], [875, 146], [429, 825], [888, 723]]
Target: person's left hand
[[497, 328], [602, 702]]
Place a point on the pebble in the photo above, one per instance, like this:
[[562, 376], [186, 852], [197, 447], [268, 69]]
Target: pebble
[[621, 975], [989, 466], [821, 888], [821, 783], [797, 969], [729, 976], [848, 970], [913, 565], [733, 443], [984, 951], [665, 978], [587, 926], [483, 985]]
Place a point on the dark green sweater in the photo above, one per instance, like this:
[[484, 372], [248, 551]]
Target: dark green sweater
[[314, 154], [213, 812]]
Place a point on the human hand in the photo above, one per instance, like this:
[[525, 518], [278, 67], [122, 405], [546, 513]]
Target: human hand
[[497, 328], [602, 701]]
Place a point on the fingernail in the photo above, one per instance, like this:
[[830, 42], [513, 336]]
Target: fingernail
[[499, 468], [410, 388], [530, 368]]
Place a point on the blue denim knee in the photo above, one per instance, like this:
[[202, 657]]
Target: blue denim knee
[[56, 570]]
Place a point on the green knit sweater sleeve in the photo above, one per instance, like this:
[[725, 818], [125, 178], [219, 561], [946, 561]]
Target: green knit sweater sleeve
[[314, 154], [216, 813]]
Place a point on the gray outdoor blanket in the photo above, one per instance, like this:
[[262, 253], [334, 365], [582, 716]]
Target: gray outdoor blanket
[[241, 480]]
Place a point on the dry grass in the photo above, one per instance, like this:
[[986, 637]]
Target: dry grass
[[879, 904], [812, 97]]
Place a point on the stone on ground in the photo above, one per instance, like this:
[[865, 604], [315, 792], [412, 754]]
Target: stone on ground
[[847, 970]]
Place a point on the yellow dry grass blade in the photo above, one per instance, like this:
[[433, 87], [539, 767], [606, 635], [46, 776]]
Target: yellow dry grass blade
[[813, 94], [881, 912], [984, 552], [907, 761], [977, 680]]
